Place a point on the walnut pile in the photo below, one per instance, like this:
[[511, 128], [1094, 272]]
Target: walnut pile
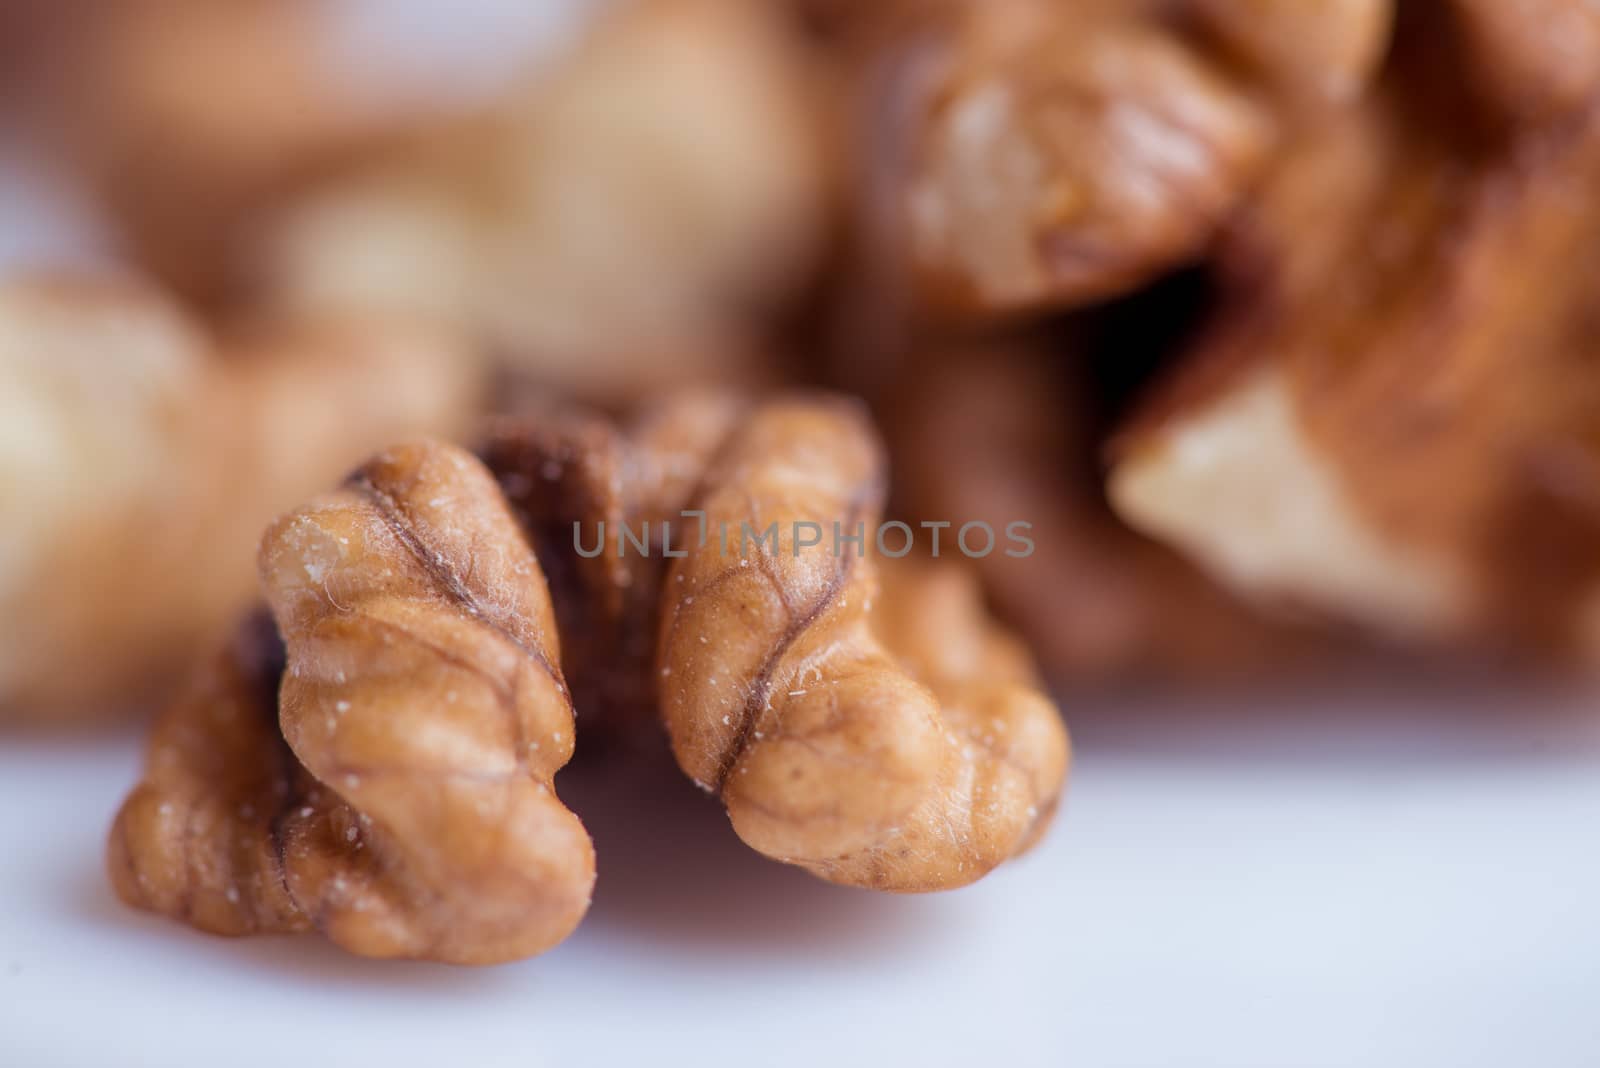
[[1272, 323], [384, 774], [139, 461]]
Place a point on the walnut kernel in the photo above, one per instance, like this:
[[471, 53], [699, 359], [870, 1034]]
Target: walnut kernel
[[391, 783]]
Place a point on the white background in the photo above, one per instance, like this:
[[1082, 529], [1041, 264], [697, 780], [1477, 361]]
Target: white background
[[1413, 884]]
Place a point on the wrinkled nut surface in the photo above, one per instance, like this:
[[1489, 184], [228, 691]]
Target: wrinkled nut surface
[[1399, 430], [582, 485], [791, 692], [1023, 153], [401, 803], [139, 461]]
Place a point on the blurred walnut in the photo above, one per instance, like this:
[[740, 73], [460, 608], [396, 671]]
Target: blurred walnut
[[614, 227], [1004, 431], [1021, 154], [137, 468], [1327, 51], [1393, 414], [897, 749], [384, 774], [1043, 153], [1529, 59], [189, 116]]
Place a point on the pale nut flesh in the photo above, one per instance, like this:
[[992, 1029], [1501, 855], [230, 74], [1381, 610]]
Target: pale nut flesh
[[403, 802], [788, 693]]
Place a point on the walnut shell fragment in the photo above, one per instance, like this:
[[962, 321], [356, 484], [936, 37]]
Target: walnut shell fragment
[[792, 693], [402, 803]]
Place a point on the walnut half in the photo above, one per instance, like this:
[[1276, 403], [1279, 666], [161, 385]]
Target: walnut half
[[401, 799], [822, 707]]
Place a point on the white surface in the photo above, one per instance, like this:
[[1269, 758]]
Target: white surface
[[1385, 891]]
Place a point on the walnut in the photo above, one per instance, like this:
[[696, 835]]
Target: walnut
[[789, 690], [1392, 416], [401, 803], [611, 227], [139, 461], [1530, 60], [1005, 429], [1024, 153]]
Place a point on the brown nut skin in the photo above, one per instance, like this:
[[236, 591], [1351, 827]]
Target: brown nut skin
[[424, 715], [782, 693], [1004, 429], [576, 480], [1022, 154], [1528, 60], [198, 838], [1326, 51]]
